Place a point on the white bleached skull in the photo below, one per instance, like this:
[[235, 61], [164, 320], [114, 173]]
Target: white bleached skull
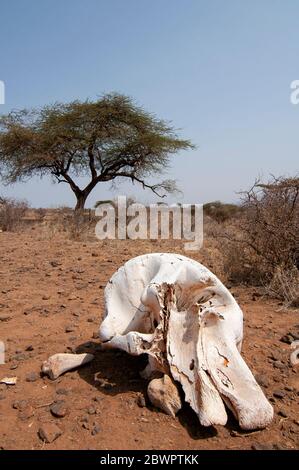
[[179, 313]]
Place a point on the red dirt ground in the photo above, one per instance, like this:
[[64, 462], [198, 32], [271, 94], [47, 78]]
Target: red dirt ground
[[48, 284]]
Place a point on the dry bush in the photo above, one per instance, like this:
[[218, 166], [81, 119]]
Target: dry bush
[[284, 285], [221, 212], [261, 246], [12, 212], [74, 225]]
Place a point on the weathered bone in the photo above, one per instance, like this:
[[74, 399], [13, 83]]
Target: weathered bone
[[179, 313], [60, 363], [294, 357]]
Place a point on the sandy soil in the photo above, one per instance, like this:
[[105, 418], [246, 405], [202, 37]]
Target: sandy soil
[[51, 300]]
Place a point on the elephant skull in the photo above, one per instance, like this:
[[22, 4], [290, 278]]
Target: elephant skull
[[179, 313]]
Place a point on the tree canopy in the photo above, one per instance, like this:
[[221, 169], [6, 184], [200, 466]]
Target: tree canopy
[[105, 139]]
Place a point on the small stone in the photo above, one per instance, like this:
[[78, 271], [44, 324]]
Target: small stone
[[163, 394], [27, 413], [46, 297], [48, 432], [32, 377], [95, 335], [20, 405], [279, 446], [62, 391], [279, 394], [85, 426], [95, 430], [283, 413], [287, 339], [279, 365], [262, 380], [289, 389], [260, 446], [141, 401], [91, 410], [59, 409], [14, 366], [19, 357], [55, 264], [29, 348], [97, 399], [144, 420], [69, 329], [5, 317]]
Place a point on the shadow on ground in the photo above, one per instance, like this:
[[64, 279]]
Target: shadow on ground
[[115, 372]]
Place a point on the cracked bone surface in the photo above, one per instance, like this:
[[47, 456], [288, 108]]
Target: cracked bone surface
[[60, 363], [180, 314]]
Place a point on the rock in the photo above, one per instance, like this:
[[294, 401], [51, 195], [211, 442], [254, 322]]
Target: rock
[[260, 446], [32, 377], [279, 365], [141, 401], [283, 413], [95, 430], [279, 446], [262, 380], [55, 264], [164, 394], [26, 413], [46, 297], [97, 399], [279, 394], [69, 329], [19, 357], [48, 432], [29, 348], [5, 317], [287, 339], [20, 405], [91, 410], [62, 391], [294, 382], [59, 409]]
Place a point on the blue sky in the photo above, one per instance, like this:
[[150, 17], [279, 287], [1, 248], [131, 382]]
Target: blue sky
[[220, 71]]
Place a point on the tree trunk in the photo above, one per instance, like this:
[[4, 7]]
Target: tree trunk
[[81, 199]]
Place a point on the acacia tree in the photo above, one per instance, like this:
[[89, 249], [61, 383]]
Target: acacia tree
[[105, 139]]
